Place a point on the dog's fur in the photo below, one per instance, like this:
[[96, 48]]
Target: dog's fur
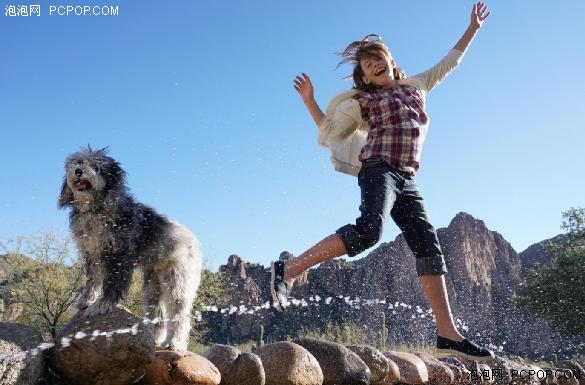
[[114, 233]]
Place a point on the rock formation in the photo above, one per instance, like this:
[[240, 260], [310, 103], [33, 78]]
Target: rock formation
[[22, 369], [484, 272]]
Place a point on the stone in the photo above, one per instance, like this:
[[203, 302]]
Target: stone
[[486, 373], [340, 365], [393, 376], [460, 372], [550, 378], [236, 368], [110, 349], [574, 366], [412, 369], [375, 360], [439, 373], [564, 376], [475, 377], [22, 369], [180, 368], [519, 372], [286, 363], [539, 376], [501, 366], [459, 376], [50, 378]]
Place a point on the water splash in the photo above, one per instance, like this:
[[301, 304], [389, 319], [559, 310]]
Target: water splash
[[398, 308]]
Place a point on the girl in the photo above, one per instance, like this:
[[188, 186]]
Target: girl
[[390, 107]]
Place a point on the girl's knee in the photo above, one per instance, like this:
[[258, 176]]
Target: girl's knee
[[371, 236]]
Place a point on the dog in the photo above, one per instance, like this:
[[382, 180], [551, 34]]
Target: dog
[[114, 234]]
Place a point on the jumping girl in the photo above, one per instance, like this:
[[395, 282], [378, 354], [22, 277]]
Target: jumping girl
[[385, 115]]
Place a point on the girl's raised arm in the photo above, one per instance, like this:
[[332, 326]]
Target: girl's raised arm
[[478, 15], [304, 87]]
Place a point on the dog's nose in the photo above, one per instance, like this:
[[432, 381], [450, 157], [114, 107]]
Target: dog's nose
[[78, 172]]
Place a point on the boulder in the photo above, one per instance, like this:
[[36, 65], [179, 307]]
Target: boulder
[[180, 368], [286, 363], [393, 376], [475, 377], [487, 373], [412, 369], [501, 371], [110, 349], [374, 359], [236, 368], [564, 376], [439, 373], [340, 365], [540, 375], [21, 362], [459, 375], [574, 366], [460, 372], [520, 372], [50, 378], [550, 379]]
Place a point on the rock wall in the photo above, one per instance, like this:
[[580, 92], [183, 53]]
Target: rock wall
[[484, 272]]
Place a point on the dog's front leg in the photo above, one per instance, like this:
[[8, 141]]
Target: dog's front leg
[[93, 285], [116, 282]]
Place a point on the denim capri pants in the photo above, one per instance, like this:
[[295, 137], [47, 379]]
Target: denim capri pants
[[386, 191]]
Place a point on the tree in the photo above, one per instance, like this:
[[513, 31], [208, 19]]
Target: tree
[[133, 299], [44, 283], [9, 263], [38, 273], [556, 293], [214, 290]]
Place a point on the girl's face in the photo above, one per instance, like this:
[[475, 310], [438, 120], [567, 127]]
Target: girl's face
[[378, 70]]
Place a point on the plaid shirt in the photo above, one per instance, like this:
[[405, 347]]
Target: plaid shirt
[[398, 126]]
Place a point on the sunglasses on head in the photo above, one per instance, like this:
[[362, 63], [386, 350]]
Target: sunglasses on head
[[350, 52], [372, 38]]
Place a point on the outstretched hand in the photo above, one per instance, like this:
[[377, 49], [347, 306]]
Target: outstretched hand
[[304, 87], [479, 14]]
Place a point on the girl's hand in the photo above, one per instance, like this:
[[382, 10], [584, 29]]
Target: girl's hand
[[304, 87], [479, 14]]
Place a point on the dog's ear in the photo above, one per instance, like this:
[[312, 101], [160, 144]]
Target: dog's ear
[[66, 196]]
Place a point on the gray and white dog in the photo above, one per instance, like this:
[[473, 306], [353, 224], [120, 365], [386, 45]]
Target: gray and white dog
[[114, 233]]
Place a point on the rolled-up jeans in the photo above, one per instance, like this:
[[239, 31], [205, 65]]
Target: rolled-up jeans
[[386, 191]]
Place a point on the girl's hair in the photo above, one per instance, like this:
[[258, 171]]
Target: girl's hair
[[370, 46]]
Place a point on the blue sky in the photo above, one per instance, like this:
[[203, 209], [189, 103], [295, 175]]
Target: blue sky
[[195, 99]]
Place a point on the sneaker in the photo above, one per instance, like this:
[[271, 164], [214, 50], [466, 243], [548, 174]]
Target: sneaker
[[278, 288], [465, 348]]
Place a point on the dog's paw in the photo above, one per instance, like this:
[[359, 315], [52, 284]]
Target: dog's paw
[[81, 304], [98, 308], [167, 346], [81, 307]]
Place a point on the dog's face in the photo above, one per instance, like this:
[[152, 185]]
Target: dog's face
[[89, 175]]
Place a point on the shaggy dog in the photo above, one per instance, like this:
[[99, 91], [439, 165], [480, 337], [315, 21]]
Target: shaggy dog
[[114, 234]]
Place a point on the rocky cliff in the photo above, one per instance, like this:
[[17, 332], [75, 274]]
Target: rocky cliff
[[484, 272]]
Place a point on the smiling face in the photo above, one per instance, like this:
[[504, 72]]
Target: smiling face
[[377, 70], [373, 66]]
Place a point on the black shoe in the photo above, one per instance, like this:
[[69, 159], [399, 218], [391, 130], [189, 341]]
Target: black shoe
[[465, 348], [278, 288]]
